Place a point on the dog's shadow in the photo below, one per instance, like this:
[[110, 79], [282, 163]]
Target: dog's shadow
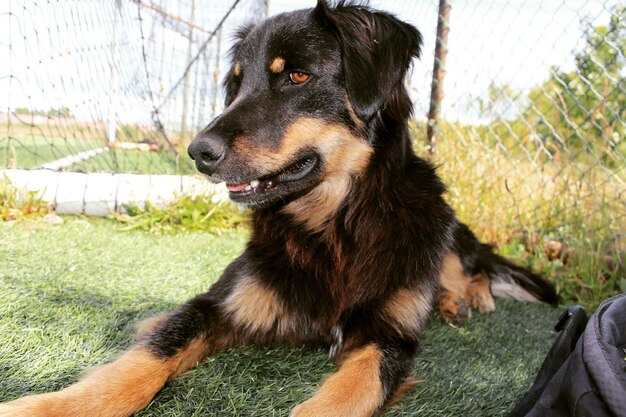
[[476, 370]]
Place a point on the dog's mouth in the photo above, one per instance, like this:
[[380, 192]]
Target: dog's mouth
[[259, 191]]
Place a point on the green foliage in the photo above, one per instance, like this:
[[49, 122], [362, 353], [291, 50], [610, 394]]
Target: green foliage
[[185, 214], [17, 204], [52, 112], [25, 150], [133, 133], [22, 110], [61, 112], [585, 109], [71, 296], [553, 171]]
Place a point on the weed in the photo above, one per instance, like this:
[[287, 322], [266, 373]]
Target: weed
[[526, 206], [18, 204], [185, 214], [71, 296]]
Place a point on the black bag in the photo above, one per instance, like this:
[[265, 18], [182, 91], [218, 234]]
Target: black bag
[[584, 373]]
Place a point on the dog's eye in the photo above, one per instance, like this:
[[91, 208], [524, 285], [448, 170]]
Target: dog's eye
[[298, 77]]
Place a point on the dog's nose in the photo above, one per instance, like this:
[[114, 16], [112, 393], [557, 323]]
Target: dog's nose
[[208, 151]]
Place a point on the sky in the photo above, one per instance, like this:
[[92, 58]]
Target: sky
[[512, 42], [53, 56]]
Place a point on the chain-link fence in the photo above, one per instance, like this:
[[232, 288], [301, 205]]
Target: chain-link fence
[[529, 133], [114, 86], [531, 130]]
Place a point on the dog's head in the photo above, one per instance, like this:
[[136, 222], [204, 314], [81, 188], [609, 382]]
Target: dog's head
[[302, 94]]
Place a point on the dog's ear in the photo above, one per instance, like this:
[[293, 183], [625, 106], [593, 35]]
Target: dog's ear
[[232, 80], [231, 86], [377, 50]]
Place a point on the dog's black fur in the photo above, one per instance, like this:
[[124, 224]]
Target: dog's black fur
[[351, 236]]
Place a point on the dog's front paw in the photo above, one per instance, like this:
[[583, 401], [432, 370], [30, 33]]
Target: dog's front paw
[[480, 294], [31, 406], [294, 412], [313, 408], [454, 308], [304, 410]]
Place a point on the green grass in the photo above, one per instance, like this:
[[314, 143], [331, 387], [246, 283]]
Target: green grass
[[185, 214], [24, 146], [72, 293], [17, 204], [29, 151], [521, 202], [132, 161]]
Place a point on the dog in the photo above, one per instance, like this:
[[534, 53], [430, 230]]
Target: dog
[[352, 242]]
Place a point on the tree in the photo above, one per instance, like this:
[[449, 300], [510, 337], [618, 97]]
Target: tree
[[60, 112], [586, 108]]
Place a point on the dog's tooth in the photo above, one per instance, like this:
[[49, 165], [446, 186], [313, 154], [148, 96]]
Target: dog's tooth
[[254, 183], [248, 188]]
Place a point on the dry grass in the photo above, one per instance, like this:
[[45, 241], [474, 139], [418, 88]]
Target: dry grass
[[564, 216], [17, 204]]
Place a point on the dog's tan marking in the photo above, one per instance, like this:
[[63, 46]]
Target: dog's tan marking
[[278, 65], [355, 390], [407, 385], [145, 327], [119, 389], [460, 292], [299, 253], [454, 308], [195, 352], [407, 310], [353, 116], [452, 276], [479, 293], [344, 155], [304, 133], [237, 69], [453, 300], [317, 207], [255, 307]]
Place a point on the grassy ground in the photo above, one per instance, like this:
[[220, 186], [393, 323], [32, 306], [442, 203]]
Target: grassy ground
[[29, 151], [24, 146], [71, 294], [526, 205], [133, 161]]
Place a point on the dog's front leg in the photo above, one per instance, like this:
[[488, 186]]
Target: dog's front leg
[[367, 378], [204, 325], [129, 383]]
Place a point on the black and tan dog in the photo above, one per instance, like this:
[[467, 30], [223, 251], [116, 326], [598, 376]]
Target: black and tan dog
[[351, 237]]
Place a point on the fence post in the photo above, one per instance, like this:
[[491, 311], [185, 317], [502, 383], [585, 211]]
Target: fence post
[[115, 62], [216, 74], [439, 71], [183, 127]]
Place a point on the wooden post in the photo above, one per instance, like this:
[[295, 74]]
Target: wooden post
[[115, 81], [183, 128], [216, 74], [439, 71]]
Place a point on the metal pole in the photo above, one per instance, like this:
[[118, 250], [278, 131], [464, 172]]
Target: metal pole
[[216, 74], [115, 60], [183, 130], [439, 71]]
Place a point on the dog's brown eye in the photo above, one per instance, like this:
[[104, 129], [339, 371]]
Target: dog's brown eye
[[297, 77]]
